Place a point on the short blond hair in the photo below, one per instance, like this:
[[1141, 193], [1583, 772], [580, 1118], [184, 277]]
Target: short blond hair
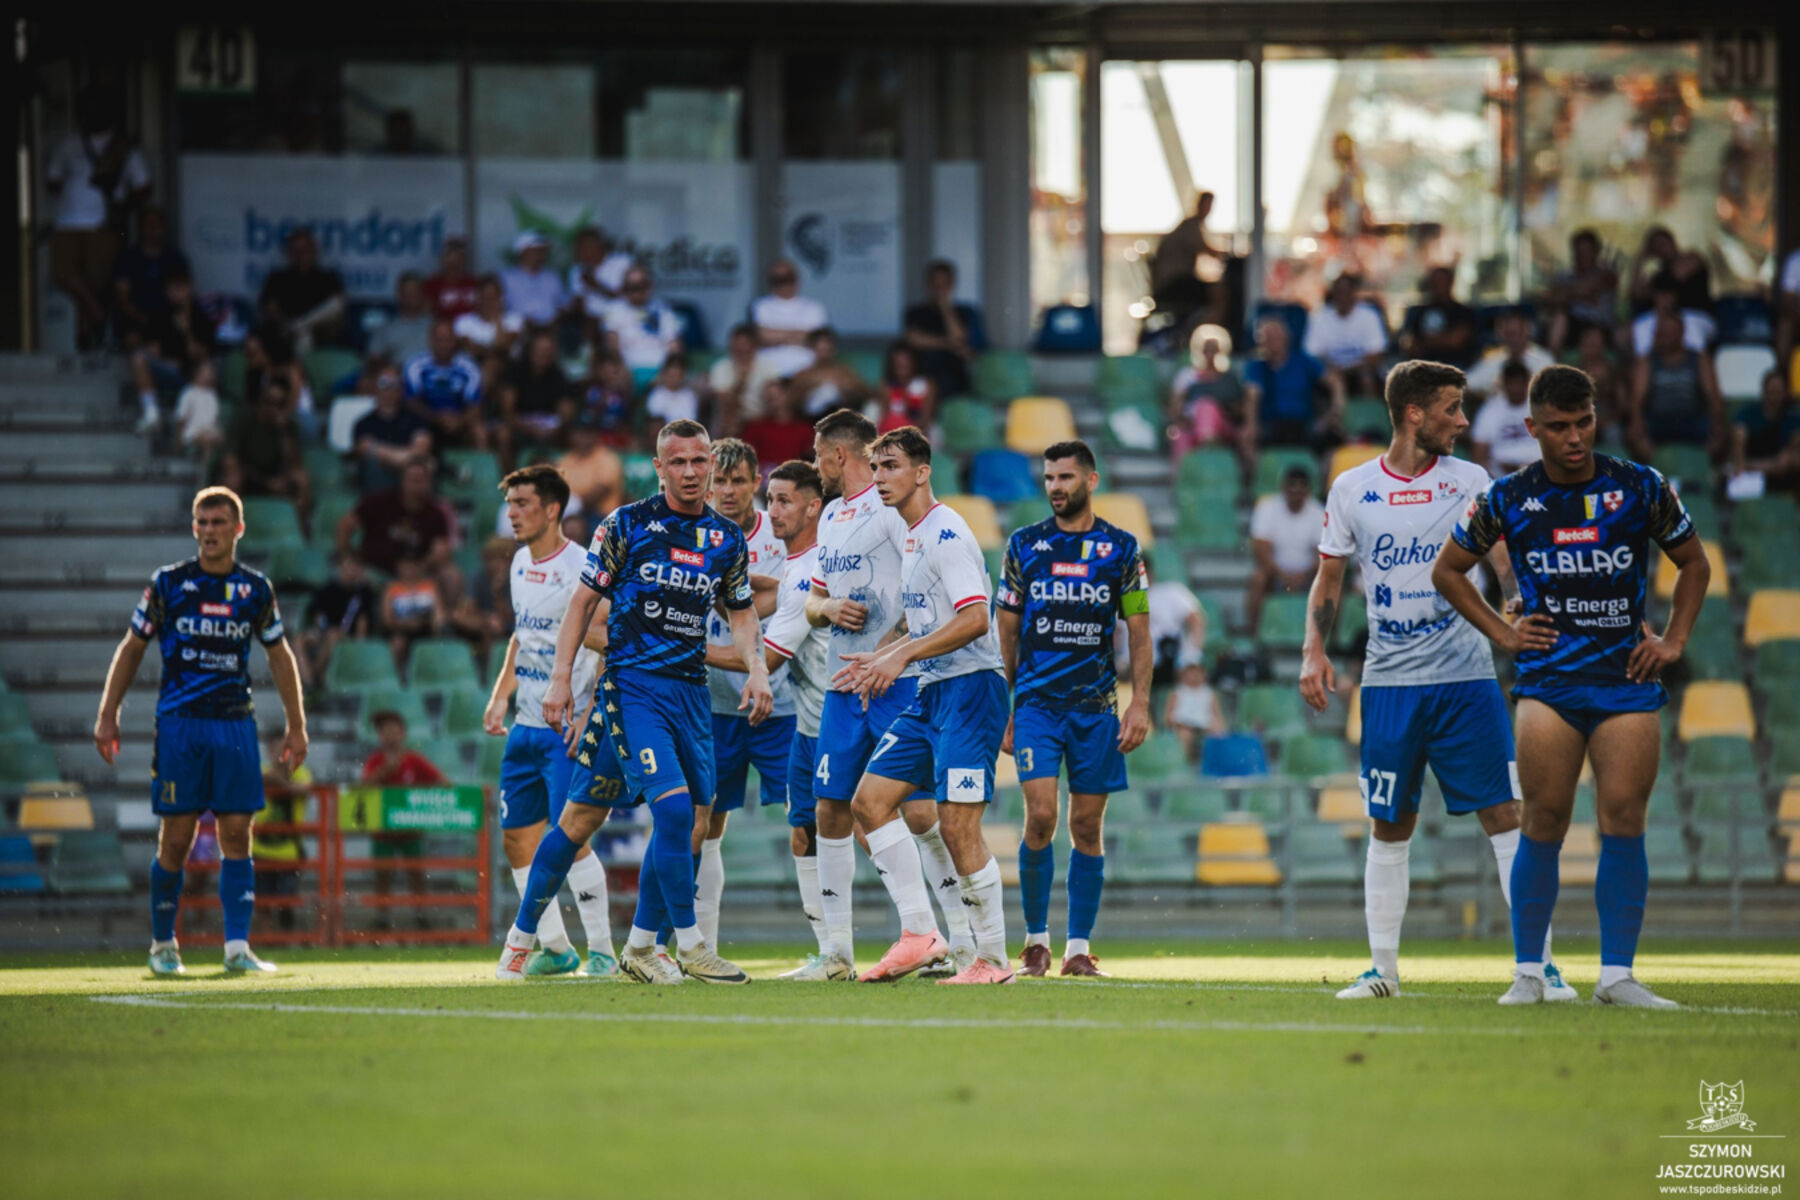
[[215, 497]]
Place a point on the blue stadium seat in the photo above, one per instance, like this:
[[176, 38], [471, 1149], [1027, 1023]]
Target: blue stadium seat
[[1743, 319], [694, 334], [1233, 754], [1069, 329], [1002, 476], [19, 874]]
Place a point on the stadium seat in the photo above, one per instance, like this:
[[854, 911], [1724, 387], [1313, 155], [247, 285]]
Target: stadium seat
[[1209, 470], [361, 665], [26, 762], [1234, 754], [1272, 463], [1034, 422], [446, 754], [326, 367], [438, 664], [15, 719], [1318, 854], [470, 477], [751, 855], [1743, 318], [1126, 381], [1003, 375], [1741, 369], [1127, 511], [1770, 513], [1160, 762], [47, 811], [1580, 859], [1666, 849], [1153, 854], [1235, 854], [1771, 560], [329, 508], [1787, 812], [464, 706], [1005, 477], [640, 476], [88, 862], [1716, 709], [409, 705], [1705, 514], [1718, 861], [1714, 760], [1194, 805], [305, 567], [1283, 622], [231, 376], [983, 521], [1342, 804], [1353, 455], [1367, 416], [1210, 528], [19, 873], [1712, 648], [1128, 807], [866, 363], [1313, 754], [1352, 622], [1268, 804], [1723, 805], [346, 411], [1271, 710], [968, 426], [1687, 464], [488, 758], [1068, 329], [270, 523], [1784, 754], [996, 564], [1718, 585], [327, 469]]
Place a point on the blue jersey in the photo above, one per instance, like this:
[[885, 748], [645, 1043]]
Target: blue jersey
[[663, 571], [1582, 555], [203, 624], [444, 387], [1069, 590]]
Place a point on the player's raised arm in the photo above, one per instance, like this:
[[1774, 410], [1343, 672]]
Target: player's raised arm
[[493, 718], [1318, 680]]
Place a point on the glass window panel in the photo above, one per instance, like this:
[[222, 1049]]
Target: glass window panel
[[958, 115], [842, 105], [674, 105], [1058, 189], [400, 108], [511, 102]]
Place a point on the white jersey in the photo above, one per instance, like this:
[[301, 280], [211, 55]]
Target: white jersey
[[540, 597], [860, 544], [807, 649], [1395, 527], [942, 574], [766, 554]]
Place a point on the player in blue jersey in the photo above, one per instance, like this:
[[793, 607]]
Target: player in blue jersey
[[662, 563], [1068, 580], [1578, 527], [203, 614]]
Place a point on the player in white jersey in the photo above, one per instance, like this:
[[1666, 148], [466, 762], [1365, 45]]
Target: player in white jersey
[[856, 596], [1429, 695], [534, 773], [949, 736]]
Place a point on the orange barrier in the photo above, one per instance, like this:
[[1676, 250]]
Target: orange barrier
[[322, 899]]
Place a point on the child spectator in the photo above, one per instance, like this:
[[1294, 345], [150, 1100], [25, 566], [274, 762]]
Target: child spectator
[[1206, 400], [345, 607], [672, 399], [911, 396], [410, 607], [394, 764], [197, 414], [1192, 709]]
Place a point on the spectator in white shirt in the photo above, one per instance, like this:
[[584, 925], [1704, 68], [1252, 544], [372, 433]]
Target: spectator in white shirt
[[1514, 331], [90, 175], [729, 383], [1502, 442], [672, 399], [532, 289], [1347, 335], [783, 318], [640, 327], [597, 275], [1284, 541], [1697, 328], [489, 334]]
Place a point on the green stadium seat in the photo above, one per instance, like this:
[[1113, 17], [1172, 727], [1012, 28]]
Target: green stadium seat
[[1425, 867], [491, 752], [1272, 462], [1784, 751], [1705, 514], [1268, 804], [866, 363], [446, 754], [464, 706], [1127, 381], [231, 376], [1778, 661], [23, 762], [470, 477], [1313, 754], [327, 469], [1721, 805], [1194, 804], [1666, 848], [1272, 710], [439, 664], [329, 508], [410, 706], [496, 659], [306, 567], [1209, 529], [324, 367], [1689, 464], [1283, 622], [1127, 807], [1208, 469], [756, 855], [1772, 513], [1715, 760], [969, 426], [269, 524], [1751, 861], [15, 719], [1352, 622], [1366, 416], [1154, 854], [88, 862], [1167, 561], [640, 476], [1003, 375], [1159, 761], [1321, 854], [1771, 560], [361, 665]]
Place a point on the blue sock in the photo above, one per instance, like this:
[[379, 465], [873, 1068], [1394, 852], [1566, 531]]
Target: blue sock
[[165, 900], [1087, 879], [666, 934], [651, 912], [1620, 887], [237, 896], [549, 866], [1534, 884], [1037, 871], [671, 845]]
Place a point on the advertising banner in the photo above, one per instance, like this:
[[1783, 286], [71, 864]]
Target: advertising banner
[[414, 809], [841, 224]]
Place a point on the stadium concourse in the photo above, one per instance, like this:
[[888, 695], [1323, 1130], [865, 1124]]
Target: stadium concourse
[[1266, 844]]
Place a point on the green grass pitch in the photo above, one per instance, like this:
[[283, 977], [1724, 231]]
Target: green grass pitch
[[1212, 1070]]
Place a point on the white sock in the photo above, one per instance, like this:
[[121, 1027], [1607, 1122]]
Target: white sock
[[551, 935], [587, 879], [987, 912], [1075, 946], [1041, 939], [709, 889], [946, 884], [689, 938], [518, 939], [1609, 975], [1385, 881], [837, 871], [148, 400], [640, 939], [806, 869], [896, 858], [1506, 848], [1535, 970], [156, 945], [240, 946]]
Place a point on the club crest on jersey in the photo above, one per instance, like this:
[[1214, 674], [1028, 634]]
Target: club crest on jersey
[[1093, 549], [1079, 570], [238, 591], [1578, 535], [688, 558], [706, 537], [216, 610], [1612, 500], [1414, 496]]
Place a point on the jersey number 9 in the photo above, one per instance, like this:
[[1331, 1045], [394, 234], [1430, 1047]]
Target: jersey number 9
[[647, 756]]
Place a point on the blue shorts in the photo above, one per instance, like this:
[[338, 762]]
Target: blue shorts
[[803, 756], [847, 737], [534, 776], [202, 763], [737, 746], [949, 738], [1585, 705], [594, 775], [1088, 741], [1461, 729], [661, 732]]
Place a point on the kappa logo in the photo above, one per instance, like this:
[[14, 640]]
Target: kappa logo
[[947, 882], [1371, 497], [946, 535], [964, 779], [188, 585], [1040, 545], [1533, 504], [1414, 496], [658, 527], [1577, 536], [1721, 1107]]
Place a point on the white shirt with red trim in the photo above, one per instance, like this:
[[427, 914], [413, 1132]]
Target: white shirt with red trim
[[807, 649], [540, 596], [860, 544], [941, 574], [1395, 527], [768, 556]]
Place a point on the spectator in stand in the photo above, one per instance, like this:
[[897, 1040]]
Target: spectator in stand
[[263, 452], [1347, 335], [781, 432], [911, 395], [608, 399], [395, 764], [483, 611], [1594, 357], [1187, 273], [730, 383], [536, 399], [1177, 627], [388, 436], [411, 608], [1675, 395], [443, 388], [1284, 542], [946, 334], [1660, 255], [408, 521], [1787, 312], [672, 399], [1441, 329], [640, 327], [783, 318], [828, 384], [489, 334], [178, 341], [408, 333], [1513, 330], [1281, 391], [597, 276], [1207, 400], [452, 288], [197, 415], [344, 607], [593, 469], [532, 289], [1697, 328], [1193, 710], [94, 176], [1766, 437], [303, 300], [1502, 442], [1586, 296], [141, 275]]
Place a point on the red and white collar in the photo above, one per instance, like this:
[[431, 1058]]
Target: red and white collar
[[935, 506], [1429, 468]]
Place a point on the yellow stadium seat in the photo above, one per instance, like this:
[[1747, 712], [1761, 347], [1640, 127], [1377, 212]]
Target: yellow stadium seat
[[1580, 861], [1716, 708], [1353, 730], [1345, 457], [1006, 772], [45, 811], [1002, 839], [1128, 513], [1718, 585], [1774, 616], [1789, 812], [1036, 422], [1343, 806], [1235, 854], [983, 521]]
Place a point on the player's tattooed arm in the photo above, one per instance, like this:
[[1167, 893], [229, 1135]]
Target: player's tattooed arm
[[1317, 677], [823, 609]]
